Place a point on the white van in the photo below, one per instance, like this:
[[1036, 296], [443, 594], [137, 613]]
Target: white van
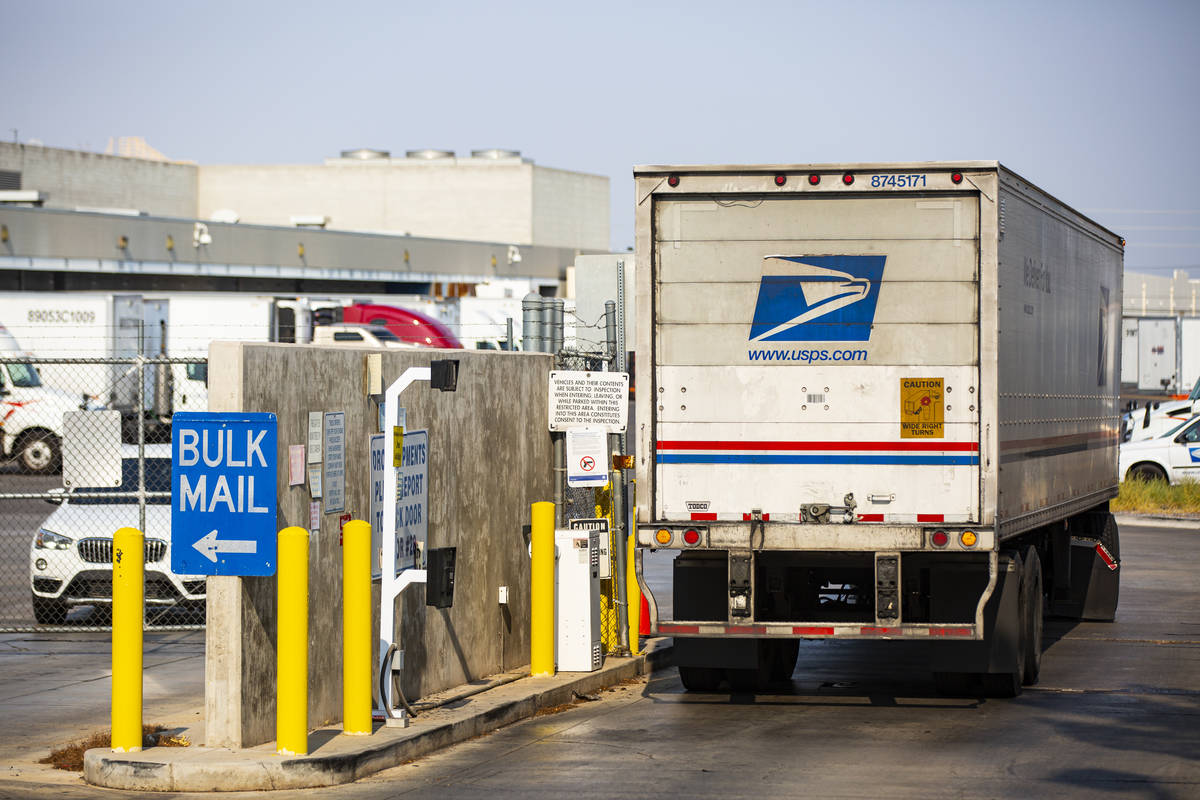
[[31, 414]]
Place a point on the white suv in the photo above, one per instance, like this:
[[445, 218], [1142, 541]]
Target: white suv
[[70, 558]]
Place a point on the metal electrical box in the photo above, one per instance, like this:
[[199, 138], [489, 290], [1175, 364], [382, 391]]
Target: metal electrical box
[[577, 600]]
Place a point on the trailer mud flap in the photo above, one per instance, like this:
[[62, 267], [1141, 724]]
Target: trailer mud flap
[[1001, 629], [1095, 585]]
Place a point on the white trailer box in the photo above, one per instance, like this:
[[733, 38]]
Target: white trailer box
[[865, 394], [1156, 354]]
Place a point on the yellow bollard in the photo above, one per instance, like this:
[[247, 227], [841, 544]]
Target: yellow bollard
[[128, 594], [541, 594], [633, 595], [291, 644], [356, 627]]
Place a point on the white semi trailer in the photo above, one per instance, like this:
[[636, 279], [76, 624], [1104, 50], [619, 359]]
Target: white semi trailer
[[875, 401]]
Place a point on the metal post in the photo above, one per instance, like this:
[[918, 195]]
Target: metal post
[[556, 328], [508, 335], [547, 326], [291, 647], [141, 422], [560, 478], [541, 595], [127, 614], [531, 323], [618, 501], [356, 627]]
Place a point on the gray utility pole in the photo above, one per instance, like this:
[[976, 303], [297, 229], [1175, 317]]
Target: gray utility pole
[[617, 478]]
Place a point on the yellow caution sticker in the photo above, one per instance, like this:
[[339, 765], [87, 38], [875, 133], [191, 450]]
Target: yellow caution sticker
[[922, 409], [397, 445]]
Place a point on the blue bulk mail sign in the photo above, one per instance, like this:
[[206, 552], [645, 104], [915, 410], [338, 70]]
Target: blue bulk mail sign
[[223, 470]]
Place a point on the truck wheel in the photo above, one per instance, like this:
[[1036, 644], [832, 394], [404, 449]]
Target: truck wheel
[[48, 611], [1147, 472], [700, 679], [39, 453], [1031, 587], [783, 659]]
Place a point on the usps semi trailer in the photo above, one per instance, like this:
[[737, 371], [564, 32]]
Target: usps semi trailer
[[881, 402]]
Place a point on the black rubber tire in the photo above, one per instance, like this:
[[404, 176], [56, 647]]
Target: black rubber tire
[[783, 660], [1146, 472], [48, 611], [39, 453], [1001, 684], [700, 679], [1033, 590]]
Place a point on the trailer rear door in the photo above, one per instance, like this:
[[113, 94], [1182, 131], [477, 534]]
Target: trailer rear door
[[809, 347]]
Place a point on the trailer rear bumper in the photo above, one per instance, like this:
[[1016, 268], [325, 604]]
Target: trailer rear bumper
[[816, 631]]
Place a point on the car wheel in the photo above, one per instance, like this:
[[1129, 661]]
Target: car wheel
[[39, 453], [1147, 472], [49, 611]]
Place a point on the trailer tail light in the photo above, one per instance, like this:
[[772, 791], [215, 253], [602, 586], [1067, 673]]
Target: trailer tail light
[[956, 177], [968, 538], [673, 180], [691, 536], [814, 179], [780, 180], [848, 178], [663, 536], [939, 538]]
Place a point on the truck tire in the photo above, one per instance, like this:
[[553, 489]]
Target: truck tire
[[1147, 472], [783, 659], [48, 611], [700, 679], [39, 453], [1032, 588]]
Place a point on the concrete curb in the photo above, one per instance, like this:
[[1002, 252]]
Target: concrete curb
[[343, 759], [1158, 520]]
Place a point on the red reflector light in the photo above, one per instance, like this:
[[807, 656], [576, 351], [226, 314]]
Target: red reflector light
[[956, 177], [813, 180], [780, 180], [691, 536], [848, 178], [939, 538], [673, 180]]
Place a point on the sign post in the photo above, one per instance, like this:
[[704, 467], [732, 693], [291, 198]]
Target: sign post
[[223, 493]]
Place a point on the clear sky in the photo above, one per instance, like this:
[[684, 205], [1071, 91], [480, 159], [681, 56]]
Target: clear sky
[[1096, 102]]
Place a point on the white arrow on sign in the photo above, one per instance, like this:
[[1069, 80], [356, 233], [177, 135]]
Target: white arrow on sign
[[209, 546]]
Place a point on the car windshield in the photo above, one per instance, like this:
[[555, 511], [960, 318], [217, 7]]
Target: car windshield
[[1195, 395], [24, 376], [158, 479], [1175, 429]]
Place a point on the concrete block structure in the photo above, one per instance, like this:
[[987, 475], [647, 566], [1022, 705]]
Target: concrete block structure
[[490, 459]]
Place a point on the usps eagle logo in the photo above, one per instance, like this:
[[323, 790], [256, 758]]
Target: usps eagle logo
[[817, 298]]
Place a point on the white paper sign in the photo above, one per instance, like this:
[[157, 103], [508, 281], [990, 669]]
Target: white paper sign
[[335, 462], [295, 465], [377, 446], [314, 480], [589, 399], [587, 457], [315, 420]]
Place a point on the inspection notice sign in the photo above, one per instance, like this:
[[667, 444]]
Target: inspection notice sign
[[589, 399], [335, 462]]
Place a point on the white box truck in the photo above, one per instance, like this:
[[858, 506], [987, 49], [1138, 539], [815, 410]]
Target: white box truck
[[875, 401]]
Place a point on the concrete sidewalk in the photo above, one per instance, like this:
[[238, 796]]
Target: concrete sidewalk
[[335, 759]]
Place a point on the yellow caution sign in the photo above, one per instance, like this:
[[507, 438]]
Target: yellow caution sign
[[922, 409], [397, 445]]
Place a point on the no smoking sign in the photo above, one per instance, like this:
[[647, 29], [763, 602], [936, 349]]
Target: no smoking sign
[[587, 453]]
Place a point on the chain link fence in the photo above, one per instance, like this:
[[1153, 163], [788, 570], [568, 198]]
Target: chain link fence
[[56, 541]]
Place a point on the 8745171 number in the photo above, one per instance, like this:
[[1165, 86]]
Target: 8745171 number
[[897, 181]]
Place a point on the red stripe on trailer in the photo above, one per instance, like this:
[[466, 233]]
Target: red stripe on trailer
[[667, 627], [869, 631], [1106, 556], [938, 447], [931, 517], [745, 629], [704, 517], [766, 517], [801, 631], [870, 517], [949, 631]]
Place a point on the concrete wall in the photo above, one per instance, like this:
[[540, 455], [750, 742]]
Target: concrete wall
[[511, 201], [71, 178], [490, 458]]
